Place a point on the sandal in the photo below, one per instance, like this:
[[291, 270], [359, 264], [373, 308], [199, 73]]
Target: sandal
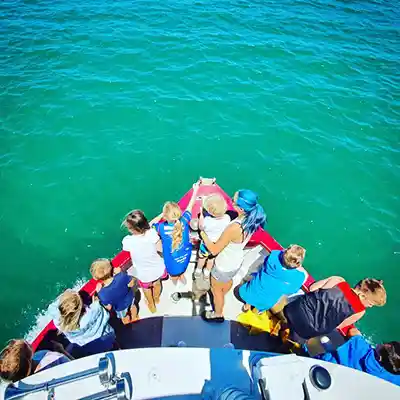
[[209, 316]]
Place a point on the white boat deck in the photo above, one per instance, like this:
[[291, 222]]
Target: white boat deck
[[186, 306], [180, 323]]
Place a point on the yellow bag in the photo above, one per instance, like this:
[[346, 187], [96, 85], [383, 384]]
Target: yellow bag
[[260, 322]]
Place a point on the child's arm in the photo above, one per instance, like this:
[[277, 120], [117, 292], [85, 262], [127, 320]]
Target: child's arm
[[201, 221], [155, 220], [95, 295], [232, 232], [193, 198], [132, 282], [351, 320], [58, 347], [327, 283]]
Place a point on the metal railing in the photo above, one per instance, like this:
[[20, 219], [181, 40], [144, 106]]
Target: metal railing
[[119, 387]]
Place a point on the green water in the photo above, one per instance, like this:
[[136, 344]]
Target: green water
[[108, 106]]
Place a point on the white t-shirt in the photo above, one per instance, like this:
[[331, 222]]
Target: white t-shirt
[[213, 227], [147, 264]]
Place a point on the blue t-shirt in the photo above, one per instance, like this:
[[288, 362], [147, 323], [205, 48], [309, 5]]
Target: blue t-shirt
[[175, 261], [271, 282], [118, 294], [357, 353]]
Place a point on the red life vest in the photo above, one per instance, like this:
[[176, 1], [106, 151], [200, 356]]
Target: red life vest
[[351, 297]]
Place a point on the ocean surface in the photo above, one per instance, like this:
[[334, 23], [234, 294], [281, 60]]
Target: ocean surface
[[111, 105]]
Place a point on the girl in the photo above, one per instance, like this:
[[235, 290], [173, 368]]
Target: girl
[[175, 238], [86, 327], [228, 249], [147, 265]]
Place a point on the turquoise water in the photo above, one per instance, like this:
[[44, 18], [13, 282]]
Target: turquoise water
[[108, 106]]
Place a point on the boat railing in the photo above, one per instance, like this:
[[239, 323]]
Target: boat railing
[[116, 386]]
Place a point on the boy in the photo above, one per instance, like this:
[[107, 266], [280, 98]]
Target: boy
[[115, 290], [281, 275], [382, 361], [332, 304], [213, 220], [17, 360]]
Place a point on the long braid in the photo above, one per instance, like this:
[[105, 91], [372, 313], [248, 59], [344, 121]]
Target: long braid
[[177, 235], [173, 213], [255, 216]]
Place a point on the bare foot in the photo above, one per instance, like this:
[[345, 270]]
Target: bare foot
[[152, 307]]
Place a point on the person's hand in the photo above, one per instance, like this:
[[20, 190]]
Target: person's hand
[[57, 346], [353, 332], [132, 282], [201, 222], [99, 286], [196, 186]]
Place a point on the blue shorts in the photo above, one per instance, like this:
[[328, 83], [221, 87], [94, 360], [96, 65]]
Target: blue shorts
[[203, 250], [123, 313]]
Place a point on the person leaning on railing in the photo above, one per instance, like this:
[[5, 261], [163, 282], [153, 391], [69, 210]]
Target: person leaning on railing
[[17, 360], [382, 361], [229, 248]]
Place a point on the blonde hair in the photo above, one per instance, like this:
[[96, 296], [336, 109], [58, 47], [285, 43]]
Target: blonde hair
[[101, 269], [172, 212], [215, 204], [70, 306], [373, 291], [293, 256], [15, 360]]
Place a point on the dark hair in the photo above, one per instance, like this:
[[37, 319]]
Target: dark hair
[[390, 357], [255, 216], [136, 221], [15, 360]]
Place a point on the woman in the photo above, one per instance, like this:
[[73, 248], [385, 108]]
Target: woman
[[84, 326], [228, 249]]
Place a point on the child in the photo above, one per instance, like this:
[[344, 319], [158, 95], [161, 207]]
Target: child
[[213, 220], [382, 361], [281, 275], [17, 360], [85, 326], [175, 237], [332, 304], [115, 291], [148, 266]]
